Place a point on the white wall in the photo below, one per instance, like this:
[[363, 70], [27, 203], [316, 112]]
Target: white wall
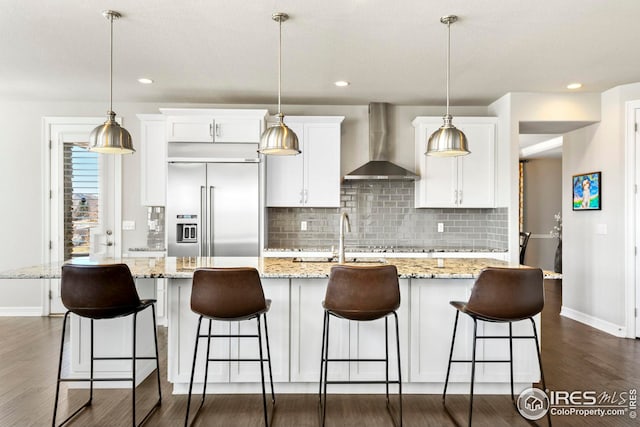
[[593, 282]]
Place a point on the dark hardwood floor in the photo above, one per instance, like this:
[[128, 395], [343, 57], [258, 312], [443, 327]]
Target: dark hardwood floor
[[575, 357]]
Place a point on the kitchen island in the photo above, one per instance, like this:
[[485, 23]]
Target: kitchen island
[[295, 327]]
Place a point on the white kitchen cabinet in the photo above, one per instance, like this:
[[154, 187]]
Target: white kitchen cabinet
[[153, 160], [457, 182], [312, 178], [307, 317], [214, 125]]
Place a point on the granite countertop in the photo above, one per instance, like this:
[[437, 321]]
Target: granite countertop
[[388, 249], [183, 268]]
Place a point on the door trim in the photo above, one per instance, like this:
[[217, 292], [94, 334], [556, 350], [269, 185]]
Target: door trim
[[61, 122], [631, 212]]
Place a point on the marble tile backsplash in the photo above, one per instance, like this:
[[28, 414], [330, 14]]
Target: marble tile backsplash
[[382, 214], [155, 227]]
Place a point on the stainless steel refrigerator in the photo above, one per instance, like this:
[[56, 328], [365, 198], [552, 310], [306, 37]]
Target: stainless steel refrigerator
[[213, 209]]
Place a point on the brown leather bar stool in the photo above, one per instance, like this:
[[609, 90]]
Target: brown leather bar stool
[[229, 295], [104, 292], [501, 295], [360, 293]]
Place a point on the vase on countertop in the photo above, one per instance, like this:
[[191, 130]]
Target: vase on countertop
[[557, 262]]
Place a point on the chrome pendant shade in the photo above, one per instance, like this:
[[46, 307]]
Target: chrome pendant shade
[[110, 137], [279, 139], [448, 140]]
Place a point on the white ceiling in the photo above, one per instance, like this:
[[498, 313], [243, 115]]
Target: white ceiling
[[225, 51]]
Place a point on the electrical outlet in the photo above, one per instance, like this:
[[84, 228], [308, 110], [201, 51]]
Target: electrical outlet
[[440, 227], [128, 225], [303, 225]]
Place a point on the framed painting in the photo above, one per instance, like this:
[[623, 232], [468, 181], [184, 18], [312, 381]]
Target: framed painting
[[587, 191]]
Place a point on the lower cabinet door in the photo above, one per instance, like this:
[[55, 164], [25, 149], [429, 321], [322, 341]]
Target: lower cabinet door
[[306, 333], [432, 319], [182, 334], [366, 340], [277, 290]]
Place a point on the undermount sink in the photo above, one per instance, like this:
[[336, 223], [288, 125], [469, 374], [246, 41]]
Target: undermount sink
[[348, 260]]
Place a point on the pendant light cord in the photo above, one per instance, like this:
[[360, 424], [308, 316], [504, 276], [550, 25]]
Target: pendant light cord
[[111, 65], [448, 61], [279, 63]]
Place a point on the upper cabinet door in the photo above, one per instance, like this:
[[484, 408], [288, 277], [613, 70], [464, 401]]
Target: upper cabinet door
[[285, 175], [153, 160], [190, 129], [232, 129], [476, 171], [322, 164]]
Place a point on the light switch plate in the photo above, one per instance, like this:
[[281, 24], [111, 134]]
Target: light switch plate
[[601, 229], [128, 225], [303, 226], [440, 227]]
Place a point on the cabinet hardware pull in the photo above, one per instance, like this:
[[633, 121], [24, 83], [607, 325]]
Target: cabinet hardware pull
[[210, 129]]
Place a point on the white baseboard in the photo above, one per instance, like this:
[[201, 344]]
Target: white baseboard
[[21, 311], [594, 322]]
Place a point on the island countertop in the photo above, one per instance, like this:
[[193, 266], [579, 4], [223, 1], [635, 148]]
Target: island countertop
[[183, 267]]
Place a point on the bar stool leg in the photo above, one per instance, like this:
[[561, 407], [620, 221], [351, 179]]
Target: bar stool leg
[[453, 340], [155, 340], [206, 366], [544, 385], [264, 392], [386, 355], [91, 364], [473, 368], [55, 404], [324, 329], [193, 370], [399, 367], [133, 372], [266, 334], [326, 368], [511, 359]]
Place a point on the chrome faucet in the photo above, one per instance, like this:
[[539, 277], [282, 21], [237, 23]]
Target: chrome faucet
[[344, 220]]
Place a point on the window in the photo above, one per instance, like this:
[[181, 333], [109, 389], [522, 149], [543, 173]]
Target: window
[[81, 198]]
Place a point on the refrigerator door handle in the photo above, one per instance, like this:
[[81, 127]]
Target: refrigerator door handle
[[211, 230], [203, 222]]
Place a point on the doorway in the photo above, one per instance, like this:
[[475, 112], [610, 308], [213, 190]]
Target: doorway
[[84, 204], [541, 198]]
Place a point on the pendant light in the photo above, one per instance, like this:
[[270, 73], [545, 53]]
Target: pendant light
[[279, 139], [448, 140], [110, 137]]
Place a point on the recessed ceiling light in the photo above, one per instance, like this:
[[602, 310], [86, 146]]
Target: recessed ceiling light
[[574, 86], [145, 81], [342, 83]]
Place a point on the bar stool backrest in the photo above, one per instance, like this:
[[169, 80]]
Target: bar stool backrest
[[507, 293], [99, 291], [227, 293], [362, 292]]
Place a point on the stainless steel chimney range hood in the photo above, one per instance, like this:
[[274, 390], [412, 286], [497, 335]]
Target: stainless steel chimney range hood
[[379, 167]]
